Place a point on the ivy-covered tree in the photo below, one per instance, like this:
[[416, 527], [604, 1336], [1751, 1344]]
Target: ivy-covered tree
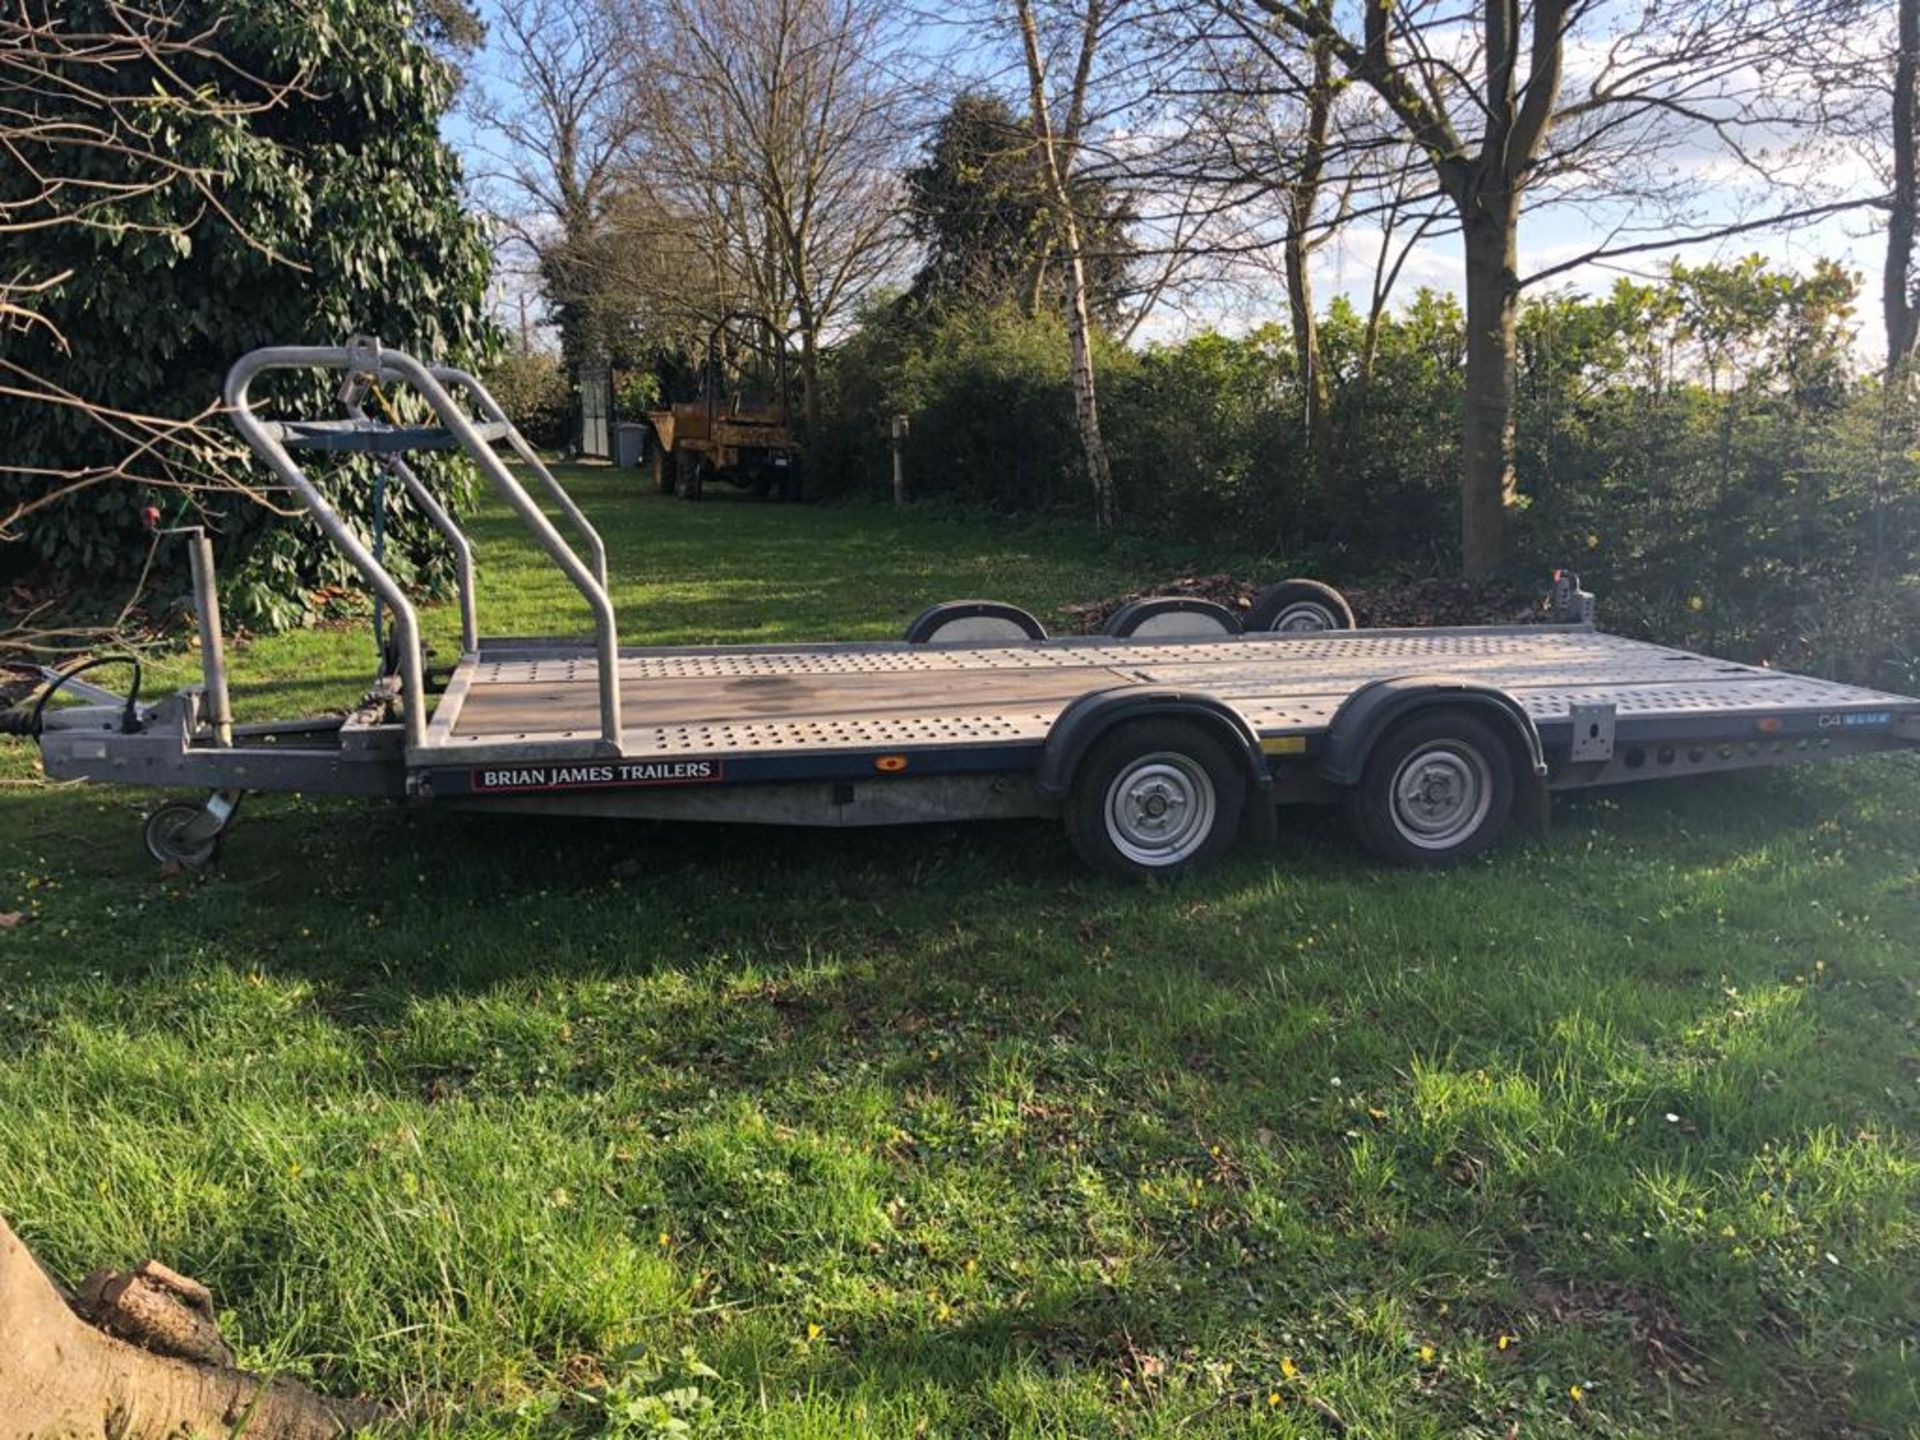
[[187, 182]]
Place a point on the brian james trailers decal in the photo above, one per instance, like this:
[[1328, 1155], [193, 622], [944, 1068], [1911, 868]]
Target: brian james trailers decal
[[494, 779]]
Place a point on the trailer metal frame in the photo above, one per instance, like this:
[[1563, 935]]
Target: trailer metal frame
[[868, 733]]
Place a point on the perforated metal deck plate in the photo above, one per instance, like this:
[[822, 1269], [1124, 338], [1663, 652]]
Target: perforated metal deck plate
[[823, 698]]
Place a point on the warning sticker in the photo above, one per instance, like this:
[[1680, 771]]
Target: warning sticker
[[492, 779]]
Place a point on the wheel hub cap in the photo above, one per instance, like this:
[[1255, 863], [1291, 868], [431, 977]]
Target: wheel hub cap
[[1441, 794], [1160, 809], [1304, 616]]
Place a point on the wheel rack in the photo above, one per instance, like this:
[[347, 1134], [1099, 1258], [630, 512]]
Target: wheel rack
[[884, 732]]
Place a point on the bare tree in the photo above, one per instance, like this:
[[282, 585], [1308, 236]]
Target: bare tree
[[772, 134], [1260, 130], [556, 125], [1484, 92], [1057, 144], [1900, 291], [1270, 157]]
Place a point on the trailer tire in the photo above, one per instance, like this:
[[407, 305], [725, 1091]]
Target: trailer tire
[[1155, 798], [1437, 789], [1171, 617], [980, 622], [1300, 606], [166, 839]]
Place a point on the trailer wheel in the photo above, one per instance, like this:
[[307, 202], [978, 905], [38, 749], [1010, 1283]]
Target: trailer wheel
[[983, 622], [1298, 606], [171, 839], [1155, 798], [1437, 789], [1170, 617]]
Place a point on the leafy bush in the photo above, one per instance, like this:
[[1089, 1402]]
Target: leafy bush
[[637, 392], [537, 396], [989, 401], [345, 217], [1197, 433], [1699, 448]]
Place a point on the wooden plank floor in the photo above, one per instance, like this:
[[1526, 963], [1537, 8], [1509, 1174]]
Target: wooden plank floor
[[680, 702]]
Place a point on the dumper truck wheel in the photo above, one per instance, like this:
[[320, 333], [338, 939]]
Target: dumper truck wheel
[[1155, 798], [1437, 789], [1300, 605], [689, 475]]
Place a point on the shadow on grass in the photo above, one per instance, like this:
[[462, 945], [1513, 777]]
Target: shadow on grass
[[1299, 1106]]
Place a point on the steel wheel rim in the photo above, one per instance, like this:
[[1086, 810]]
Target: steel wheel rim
[[165, 837], [1303, 616], [1160, 809], [1440, 794]]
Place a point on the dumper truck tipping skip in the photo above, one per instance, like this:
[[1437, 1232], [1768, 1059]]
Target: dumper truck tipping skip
[[1158, 743]]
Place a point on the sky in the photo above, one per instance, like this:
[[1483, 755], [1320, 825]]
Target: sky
[[946, 56]]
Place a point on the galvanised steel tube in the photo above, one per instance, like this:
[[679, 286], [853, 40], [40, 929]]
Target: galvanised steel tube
[[406, 622], [451, 377], [456, 537], [213, 644], [606, 636]]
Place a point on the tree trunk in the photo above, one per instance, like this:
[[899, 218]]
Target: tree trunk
[[61, 1379], [1315, 389], [1897, 296], [810, 404], [1302, 198], [1487, 482], [1086, 399]]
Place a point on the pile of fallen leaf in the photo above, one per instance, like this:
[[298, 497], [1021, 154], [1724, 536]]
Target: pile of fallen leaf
[[1387, 607]]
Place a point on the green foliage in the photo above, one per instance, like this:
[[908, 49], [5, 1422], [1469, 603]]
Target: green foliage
[[648, 1398], [1698, 447], [1195, 429], [989, 398], [979, 204], [637, 392], [338, 212], [1699, 450], [453, 27], [537, 396]]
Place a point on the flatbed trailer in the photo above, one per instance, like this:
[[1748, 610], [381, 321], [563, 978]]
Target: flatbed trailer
[[1158, 747]]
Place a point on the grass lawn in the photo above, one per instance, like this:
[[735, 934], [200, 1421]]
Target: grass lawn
[[931, 1133]]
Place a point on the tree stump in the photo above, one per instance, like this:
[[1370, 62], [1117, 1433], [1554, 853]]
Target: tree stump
[[155, 1369]]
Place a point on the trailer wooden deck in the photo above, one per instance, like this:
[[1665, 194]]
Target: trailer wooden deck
[[761, 700]]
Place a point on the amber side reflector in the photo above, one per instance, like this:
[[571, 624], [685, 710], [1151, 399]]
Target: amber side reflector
[[1770, 725], [889, 764], [1284, 745]]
